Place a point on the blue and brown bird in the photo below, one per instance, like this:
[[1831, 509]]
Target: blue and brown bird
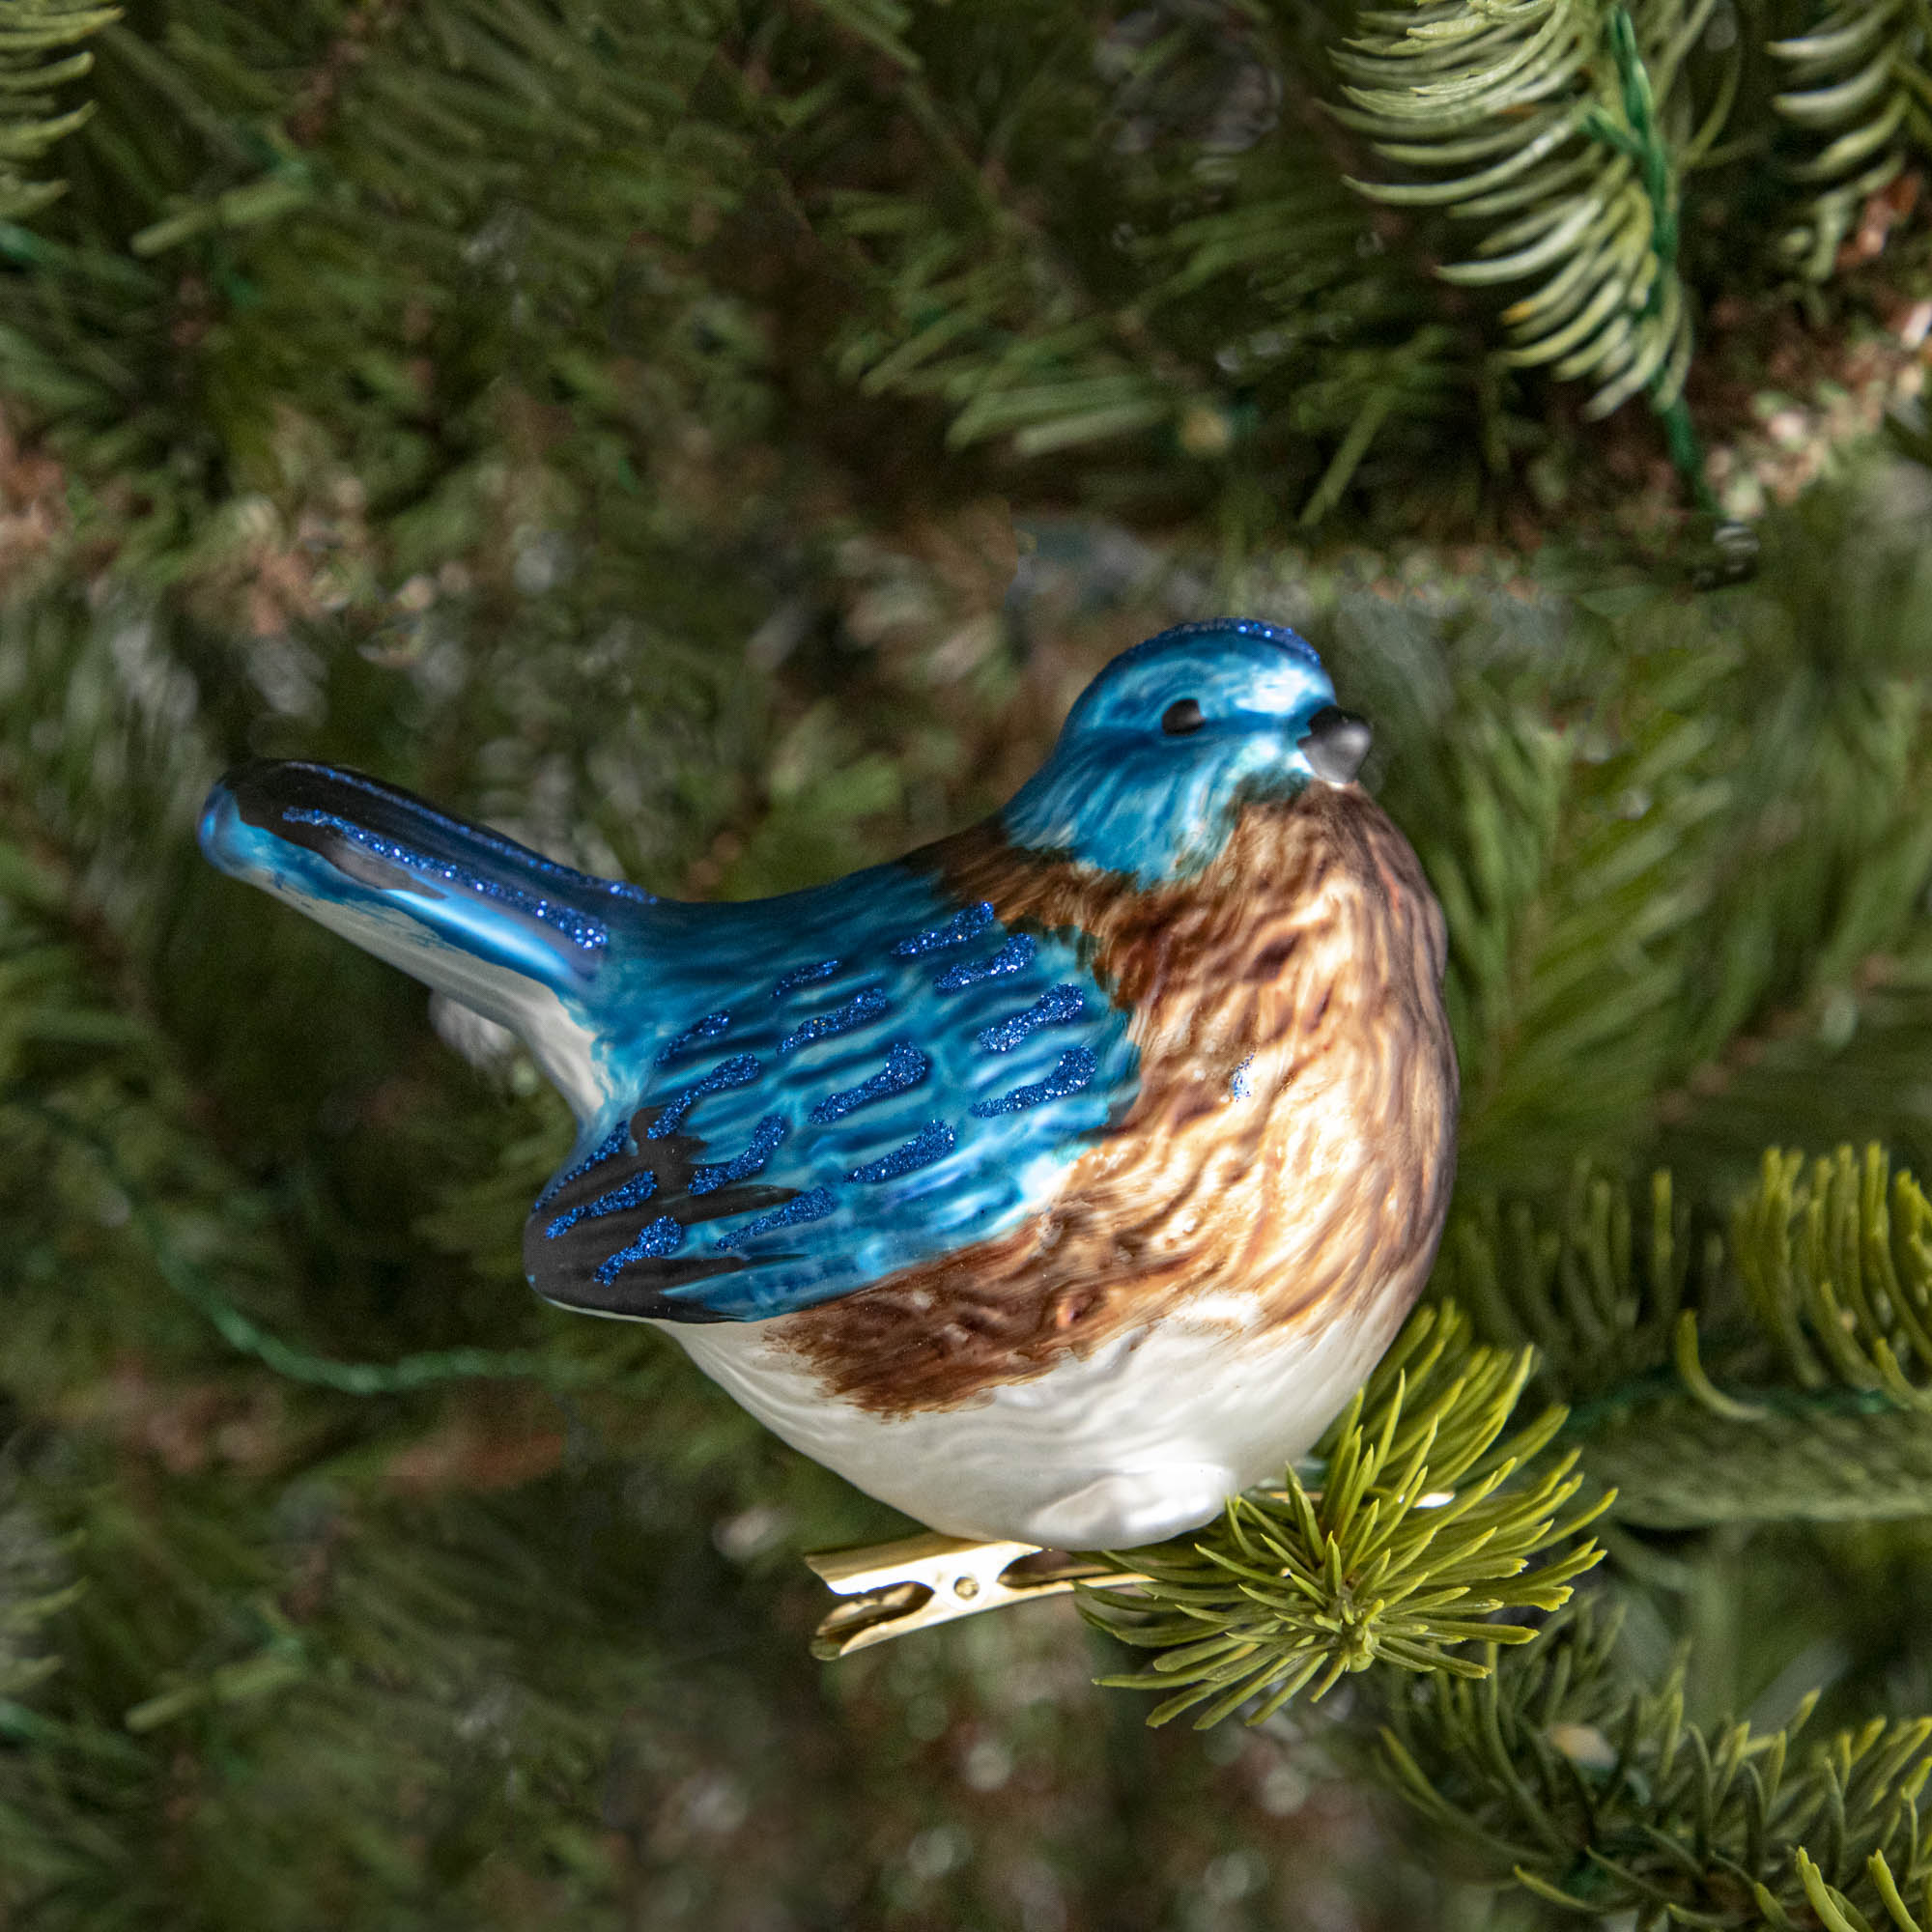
[[1053, 1183]]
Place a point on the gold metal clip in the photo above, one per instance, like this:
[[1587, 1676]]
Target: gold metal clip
[[891, 1589]]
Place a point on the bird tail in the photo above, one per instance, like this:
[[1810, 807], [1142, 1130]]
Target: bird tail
[[516, 937]]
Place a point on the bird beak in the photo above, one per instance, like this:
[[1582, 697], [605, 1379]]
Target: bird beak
[[1336, 743]]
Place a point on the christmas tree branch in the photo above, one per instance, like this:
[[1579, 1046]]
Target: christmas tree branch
[[428, 1369], [1795, 1386], [1419, 1537], [1603, 1799], [1576, 185], [1862, 95], [35, 39]]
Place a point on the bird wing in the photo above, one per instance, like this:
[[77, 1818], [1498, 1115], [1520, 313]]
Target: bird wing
[[831, 1087], [779, 1102]]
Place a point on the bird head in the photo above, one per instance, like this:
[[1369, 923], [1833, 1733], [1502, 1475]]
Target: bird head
[[1166, 746]]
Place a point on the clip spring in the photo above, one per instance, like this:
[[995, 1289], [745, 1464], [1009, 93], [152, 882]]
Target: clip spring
[[891, 1589]]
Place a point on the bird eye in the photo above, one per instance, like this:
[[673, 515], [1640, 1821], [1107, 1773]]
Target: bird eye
[[1182, 717]]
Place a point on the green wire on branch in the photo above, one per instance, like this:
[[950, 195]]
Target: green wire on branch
[[403, 1376], [1563, 129]]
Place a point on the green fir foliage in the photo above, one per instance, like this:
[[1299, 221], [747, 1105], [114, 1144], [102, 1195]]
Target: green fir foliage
[[1553, 117], [1836, 1264], [1860, 87], [1123, 252], [40, 52], [587, 414], [1604, 1799], [1408, 1547]]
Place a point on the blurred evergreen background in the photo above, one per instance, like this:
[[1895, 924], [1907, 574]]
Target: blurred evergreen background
[[714, 443]]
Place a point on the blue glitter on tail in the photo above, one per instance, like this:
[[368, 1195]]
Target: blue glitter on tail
[[708, 1027], [867, 1005], [607, 1149], [956, 931], [1014, 957], [578, 928], [804, 975], [631, 1193]]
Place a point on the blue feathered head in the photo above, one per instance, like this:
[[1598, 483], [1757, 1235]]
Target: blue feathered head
[[1166, 744]]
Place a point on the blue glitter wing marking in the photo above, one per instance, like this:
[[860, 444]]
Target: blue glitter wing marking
[[631, 1193], [1240, 1085], [905, 1066], [601, 981], [930, 1144], [956, 931], [664, 1236], [740, 1070], [869, 1004], [804, 975], [578, 928], [1058, 1006], [765, 1138], [814, 1205], [1074, 1070], [708, 1027], [608, 1148], [1014, 957], [863, 1183]]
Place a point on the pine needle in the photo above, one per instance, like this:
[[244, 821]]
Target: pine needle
[[1419, 1541]]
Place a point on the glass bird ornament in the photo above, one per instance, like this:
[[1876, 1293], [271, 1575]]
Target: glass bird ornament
[[1053, 1183]]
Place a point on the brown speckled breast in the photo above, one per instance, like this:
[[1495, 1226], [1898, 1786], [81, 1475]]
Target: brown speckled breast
[[1311, 954]]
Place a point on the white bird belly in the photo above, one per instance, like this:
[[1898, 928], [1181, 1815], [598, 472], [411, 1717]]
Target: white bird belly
[[1146, 1435]]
